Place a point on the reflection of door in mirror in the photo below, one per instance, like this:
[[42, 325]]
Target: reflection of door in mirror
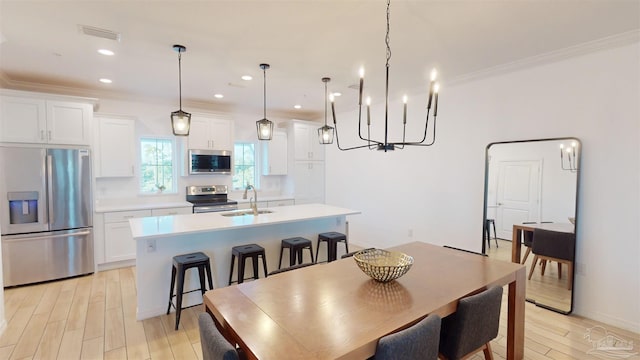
[[527, 186]]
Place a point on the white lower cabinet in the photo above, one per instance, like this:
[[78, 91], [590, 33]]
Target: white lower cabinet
[[172, 211], [274, 203], [118, 241]]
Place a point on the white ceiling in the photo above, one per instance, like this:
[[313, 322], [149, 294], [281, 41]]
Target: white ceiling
[[302, 40]]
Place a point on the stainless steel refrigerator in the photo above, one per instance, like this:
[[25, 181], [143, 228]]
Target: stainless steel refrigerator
[[46, 213]]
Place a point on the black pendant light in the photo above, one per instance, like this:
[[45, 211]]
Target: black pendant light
[[264, 126], [325, 133], [180, 120]]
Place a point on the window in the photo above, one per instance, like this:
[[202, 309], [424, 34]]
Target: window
[[244, 165], [156, 166]]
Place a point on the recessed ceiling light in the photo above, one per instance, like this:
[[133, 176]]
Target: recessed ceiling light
[[247, 77], [337, 94], [106, 52], [105, 81], [218, 96], [297, 106]]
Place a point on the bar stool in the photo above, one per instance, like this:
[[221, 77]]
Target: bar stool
[[487, 228], [295, 246], [242, 252], [181, 263], [332, 238]]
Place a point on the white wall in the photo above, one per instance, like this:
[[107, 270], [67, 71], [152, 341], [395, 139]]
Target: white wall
[[437, 192]]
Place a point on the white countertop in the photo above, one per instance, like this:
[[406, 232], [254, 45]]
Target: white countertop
[[164, 226], [102, 208]]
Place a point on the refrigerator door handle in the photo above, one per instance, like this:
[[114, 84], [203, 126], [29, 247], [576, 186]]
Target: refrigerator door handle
[[50, 188], [10, 238]]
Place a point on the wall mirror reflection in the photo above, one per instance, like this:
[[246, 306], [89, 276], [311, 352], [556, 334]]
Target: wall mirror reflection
[[531, 192]]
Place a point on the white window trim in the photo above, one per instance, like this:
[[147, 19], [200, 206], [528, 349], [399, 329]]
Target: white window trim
[[173, 163]]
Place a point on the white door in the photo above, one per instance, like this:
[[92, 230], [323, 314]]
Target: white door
[[518, 195]]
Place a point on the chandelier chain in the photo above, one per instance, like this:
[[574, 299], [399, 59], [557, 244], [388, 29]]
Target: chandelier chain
[[387, 39]]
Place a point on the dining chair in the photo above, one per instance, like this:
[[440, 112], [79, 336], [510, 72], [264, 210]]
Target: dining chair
[[527, 238], [557, 246], [214, 345], [420, 341], [471, 328]]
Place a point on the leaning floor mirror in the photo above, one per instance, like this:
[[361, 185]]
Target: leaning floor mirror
[[531, 192]]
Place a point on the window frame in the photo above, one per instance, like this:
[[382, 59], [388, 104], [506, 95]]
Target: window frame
[[174, 177], [256, 164]]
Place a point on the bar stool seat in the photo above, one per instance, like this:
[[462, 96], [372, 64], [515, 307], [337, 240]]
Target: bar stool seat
[[242, 252], [295, 246], [181, 263], [332, 238]]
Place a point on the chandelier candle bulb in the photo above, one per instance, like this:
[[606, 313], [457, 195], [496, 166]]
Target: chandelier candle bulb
[[436, 89], [333, 109], [368, 111], [404, 112], [361, 85]]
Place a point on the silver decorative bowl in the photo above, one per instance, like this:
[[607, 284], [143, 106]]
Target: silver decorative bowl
[[382, 265]]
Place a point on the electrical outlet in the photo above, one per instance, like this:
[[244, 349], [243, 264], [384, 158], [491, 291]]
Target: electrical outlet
[[151, 246]]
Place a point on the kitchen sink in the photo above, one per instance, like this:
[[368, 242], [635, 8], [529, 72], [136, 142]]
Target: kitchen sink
[[245, 212]]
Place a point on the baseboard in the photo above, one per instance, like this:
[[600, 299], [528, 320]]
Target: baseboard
[[115, 265], [609, 320]]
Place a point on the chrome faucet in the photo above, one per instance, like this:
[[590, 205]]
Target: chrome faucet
[[253, 201]]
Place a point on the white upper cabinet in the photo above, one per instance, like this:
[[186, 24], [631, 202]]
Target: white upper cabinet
[[32, 120], [115, 147], [69, 123], [210, 134], [306, 144], [274, 155]]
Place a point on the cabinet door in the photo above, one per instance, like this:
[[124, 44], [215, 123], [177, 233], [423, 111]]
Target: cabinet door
[[221, 135], [275, 203], [69, 123], [309, 182], [315, 148], [172, 211], [275, 155], [116, 144], [316, 179], [22, 120], [301, 134], [119, 243], [199, 133]]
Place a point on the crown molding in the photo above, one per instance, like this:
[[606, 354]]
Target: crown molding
[[610, 42]]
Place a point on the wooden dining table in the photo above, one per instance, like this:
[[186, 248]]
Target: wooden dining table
[[335, 311], [518, 229]]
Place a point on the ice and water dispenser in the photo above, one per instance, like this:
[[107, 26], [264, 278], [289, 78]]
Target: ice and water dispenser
[[23, 207]]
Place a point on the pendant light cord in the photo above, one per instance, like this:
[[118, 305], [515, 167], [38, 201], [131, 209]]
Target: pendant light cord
[[264, 72], [387, 38], [180, 75], [325, 103]]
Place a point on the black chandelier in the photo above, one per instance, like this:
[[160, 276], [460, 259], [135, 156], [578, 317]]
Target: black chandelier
[[387, 145], [180, 120]]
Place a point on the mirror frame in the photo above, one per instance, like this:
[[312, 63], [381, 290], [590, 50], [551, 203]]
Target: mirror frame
[[577, 217]]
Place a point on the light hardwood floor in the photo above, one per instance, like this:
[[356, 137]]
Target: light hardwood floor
[[93, 317]]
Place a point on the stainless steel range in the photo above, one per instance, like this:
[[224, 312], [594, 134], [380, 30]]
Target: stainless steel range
[[210, 198]]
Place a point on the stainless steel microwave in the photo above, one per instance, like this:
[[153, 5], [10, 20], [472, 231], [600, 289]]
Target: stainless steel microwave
[[209, 162]]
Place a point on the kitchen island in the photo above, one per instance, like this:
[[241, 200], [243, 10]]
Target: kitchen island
[[159, 239]]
